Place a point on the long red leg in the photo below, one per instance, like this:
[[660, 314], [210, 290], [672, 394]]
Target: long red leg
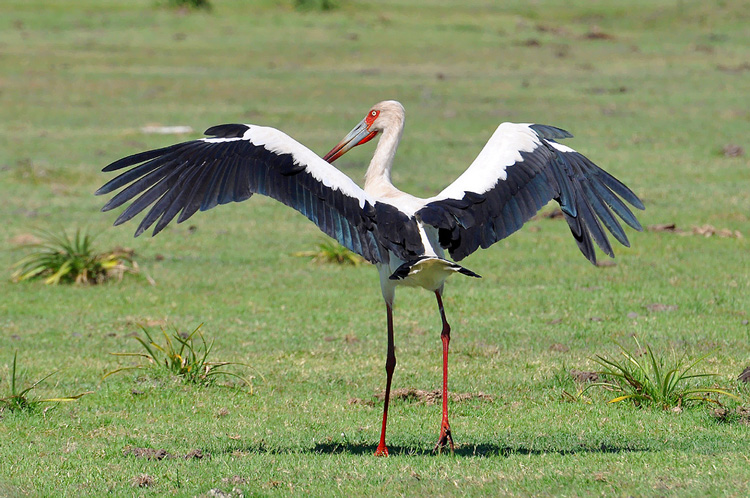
[[390, 365], [445, 336]]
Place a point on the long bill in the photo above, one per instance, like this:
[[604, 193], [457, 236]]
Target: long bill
[[359, 135]]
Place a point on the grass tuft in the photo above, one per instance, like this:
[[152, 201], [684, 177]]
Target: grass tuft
[[654, 380], [19, 400], [330, 251], [62, 259], [182, 356]]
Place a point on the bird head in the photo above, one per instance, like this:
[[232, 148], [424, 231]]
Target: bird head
[[380, 117]]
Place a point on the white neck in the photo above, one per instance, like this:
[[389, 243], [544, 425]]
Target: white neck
[[379, 171]]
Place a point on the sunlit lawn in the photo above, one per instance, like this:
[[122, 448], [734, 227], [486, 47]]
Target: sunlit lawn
[[653, 93]]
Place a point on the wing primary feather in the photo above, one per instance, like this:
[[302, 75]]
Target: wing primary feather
[[148, 197], [242, 187], [592, 225], [183, 189], [143, 156], [135, 188], [210, 198], [131, 175], [619, 207], [157, 210], [582, 238], [193, 202], [561, 169], [605, 215], [170, 204], [219, 168], [618, 187], [586, 179], [226, 190], [168, 165]]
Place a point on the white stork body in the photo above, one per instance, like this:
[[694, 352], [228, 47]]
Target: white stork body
[[518, 171]]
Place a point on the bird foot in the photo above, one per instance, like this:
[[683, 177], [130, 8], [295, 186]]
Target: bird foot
[[382, 451], [445, 439]]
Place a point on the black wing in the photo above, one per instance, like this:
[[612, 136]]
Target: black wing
[[241, 160], [520, 170]]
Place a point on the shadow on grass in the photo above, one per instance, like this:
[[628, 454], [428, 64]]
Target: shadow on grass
[[465, 450]]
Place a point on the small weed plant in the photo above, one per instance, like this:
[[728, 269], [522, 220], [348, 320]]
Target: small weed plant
[[330, 251], [653, 380], [184, 356], [64, 259], [19, 400]]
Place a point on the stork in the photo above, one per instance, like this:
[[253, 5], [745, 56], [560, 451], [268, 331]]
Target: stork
[[520, 169]]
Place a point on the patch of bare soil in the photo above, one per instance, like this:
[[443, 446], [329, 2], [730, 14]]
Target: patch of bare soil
[[196, 454], [160, 454], [583, 376], [559, 348], [740, 414], [664, 227], [739, 68], [550, 215], [25, 239], [733, 150], [596, 33], [143, 481], [553, 29], [348, 338], [430, 397], [360, 401], [709, 231], [144, 321], [702, 230], [235, 480], [146, 453], [658, 307], [218, 493]]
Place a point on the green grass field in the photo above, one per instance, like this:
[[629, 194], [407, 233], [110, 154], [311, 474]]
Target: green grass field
[[653, 92]]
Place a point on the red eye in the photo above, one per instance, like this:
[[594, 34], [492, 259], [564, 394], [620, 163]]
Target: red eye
[[371, 118]]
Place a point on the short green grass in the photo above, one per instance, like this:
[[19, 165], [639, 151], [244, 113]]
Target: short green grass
[[653, 101]]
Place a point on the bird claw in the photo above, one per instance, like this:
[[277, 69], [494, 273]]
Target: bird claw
[[445, 439], [382, 451]]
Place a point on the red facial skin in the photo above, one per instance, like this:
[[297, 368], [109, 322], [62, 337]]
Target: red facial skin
[[370, 119], [347, 143]]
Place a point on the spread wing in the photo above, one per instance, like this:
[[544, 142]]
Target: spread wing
[[241, 160], [520, 170]]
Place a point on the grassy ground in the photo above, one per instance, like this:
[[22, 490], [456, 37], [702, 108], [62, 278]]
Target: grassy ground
[[652, 90]]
